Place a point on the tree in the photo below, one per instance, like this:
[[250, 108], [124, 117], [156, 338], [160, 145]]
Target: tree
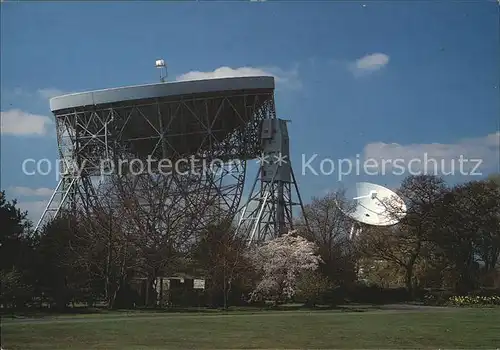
[[16, 253], [222, 257], [329, 230], [15, 291], [467, 231], [384, 273], [15, 237], [495, 178], [404, 244], [161, 230], [60, 277], [311, 286], [279, 262], [105, 248]]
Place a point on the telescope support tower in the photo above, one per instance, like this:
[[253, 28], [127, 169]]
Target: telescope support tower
[[268, 211]]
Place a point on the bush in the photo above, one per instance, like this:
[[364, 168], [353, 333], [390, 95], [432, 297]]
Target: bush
[[475, 298], [490, 292], [367, 294], [438, 297], [14, 291], [474, 301], [312, 287]]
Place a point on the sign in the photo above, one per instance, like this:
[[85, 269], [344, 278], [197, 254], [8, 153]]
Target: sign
[[199, 284]]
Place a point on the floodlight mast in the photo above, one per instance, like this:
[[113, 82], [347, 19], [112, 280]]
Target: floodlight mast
[[162, 66]]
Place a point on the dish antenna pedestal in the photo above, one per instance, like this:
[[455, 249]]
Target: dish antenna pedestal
[[356, 230]]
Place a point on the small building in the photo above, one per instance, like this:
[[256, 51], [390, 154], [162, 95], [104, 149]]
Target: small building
[[179, 290]]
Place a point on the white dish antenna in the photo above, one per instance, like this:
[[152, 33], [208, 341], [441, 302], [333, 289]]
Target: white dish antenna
[[374, 205]]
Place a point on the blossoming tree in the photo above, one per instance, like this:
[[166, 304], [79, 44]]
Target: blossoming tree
[[280, 262]]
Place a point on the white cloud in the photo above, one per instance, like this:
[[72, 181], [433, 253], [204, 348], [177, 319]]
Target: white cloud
[[48, 93], [17, 122], [446, 156], [283, 78], [34, 208], [43, 94], [369, 64], [19, 91], [26, 191]]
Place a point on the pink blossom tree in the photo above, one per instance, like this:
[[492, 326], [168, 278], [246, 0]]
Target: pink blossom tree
[[280, 262]]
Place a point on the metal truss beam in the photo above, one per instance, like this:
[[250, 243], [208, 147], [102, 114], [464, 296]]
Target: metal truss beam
[[97, 139]]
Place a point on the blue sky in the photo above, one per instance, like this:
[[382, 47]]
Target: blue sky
[[380, 79]]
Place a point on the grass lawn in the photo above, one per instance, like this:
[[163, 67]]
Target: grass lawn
[[441, 328]]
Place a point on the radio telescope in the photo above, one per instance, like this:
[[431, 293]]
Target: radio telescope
[[220, 123], [373, 205]]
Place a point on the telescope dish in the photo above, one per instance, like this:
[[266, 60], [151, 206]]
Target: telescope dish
[[210, 128], [374, 205]]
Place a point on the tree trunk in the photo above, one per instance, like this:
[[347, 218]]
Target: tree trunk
[[113, 296], [409, 270], [409, 279], [227, 290], [224, 285], [119, 283], [107, 287]]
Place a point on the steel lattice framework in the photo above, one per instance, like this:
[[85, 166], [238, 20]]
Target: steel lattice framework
[[198, 135], [268, 211]]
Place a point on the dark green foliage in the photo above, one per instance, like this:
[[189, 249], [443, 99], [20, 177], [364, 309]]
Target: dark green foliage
[[438, 297], [367, 294], [59, 276], [17, 257], [312, 288]]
